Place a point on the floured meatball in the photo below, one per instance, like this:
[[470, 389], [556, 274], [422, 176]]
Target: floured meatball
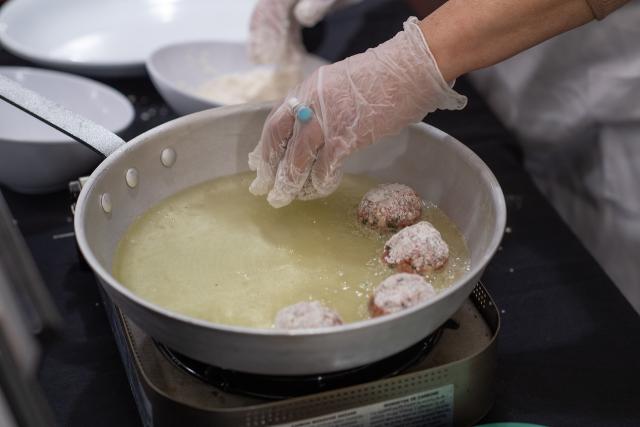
[[400, 291], [390, 207], [307, 314], [416, 249]]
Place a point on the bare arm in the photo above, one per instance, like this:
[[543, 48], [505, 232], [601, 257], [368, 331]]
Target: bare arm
[[465, 35]]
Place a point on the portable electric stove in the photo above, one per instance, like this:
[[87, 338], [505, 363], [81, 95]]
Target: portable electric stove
[[447, 379], [444, 380]]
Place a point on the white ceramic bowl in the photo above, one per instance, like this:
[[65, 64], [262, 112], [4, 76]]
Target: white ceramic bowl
[[179, 71], [114, 37], [35, 158]]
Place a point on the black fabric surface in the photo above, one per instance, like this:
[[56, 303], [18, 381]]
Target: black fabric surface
[[569, 348]]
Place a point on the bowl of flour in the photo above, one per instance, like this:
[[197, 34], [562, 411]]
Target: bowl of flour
[[195, 76]]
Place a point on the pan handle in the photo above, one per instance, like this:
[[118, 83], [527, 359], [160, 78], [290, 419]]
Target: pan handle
[[96, 137]]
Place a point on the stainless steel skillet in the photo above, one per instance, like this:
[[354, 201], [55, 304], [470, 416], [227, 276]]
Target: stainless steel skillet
[[214, 143]]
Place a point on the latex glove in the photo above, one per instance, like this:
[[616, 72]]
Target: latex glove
[[275, 28], [355, 102]]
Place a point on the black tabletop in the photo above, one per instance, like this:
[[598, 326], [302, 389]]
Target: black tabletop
[[569, 348]]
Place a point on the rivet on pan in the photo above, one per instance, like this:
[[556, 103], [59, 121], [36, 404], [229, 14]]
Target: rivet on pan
[[168, 157], [105, 202], [131, 177]]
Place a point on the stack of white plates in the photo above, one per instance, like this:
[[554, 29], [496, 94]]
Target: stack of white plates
[[114, 37]]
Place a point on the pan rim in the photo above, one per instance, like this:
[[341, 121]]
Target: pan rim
[[474, 271]]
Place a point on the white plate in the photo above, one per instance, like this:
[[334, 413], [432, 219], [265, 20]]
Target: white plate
[[35, 158], [114, 37], [180, 71]]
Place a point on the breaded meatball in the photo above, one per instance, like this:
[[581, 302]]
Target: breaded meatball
[[307, 314], [400, 291], [390, 207], [416, 249]]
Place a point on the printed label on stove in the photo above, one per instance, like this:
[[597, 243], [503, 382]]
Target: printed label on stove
[[432, 408]]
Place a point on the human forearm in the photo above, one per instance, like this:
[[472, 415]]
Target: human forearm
[[465, 35]]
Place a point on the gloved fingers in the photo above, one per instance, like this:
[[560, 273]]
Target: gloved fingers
[[326, 173], [327, 187], [308, 192], [293, 170], [310, 12], [264, 159], [270, 29]]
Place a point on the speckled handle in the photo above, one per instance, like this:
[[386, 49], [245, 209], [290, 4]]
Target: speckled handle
[[86, 132]]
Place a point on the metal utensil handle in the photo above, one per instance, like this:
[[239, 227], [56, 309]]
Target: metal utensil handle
[[86, 132], [23, 275], [24, 396]]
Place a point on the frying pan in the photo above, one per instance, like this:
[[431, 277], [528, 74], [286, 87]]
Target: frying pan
[[214, 143]]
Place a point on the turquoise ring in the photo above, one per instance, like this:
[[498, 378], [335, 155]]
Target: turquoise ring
[[303, 113]]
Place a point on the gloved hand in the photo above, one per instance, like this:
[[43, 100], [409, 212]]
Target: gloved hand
[[275, 28], [354, 102]]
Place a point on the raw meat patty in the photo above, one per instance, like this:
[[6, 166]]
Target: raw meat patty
[[416, 249], [400, 291], [390, 207], [307, 314]]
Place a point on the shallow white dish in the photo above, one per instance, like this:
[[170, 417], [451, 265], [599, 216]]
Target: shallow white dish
[[114, 37], [178, 71], [35, 158]]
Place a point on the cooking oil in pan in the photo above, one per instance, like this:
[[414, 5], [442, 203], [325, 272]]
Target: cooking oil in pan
[[218, 253]]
